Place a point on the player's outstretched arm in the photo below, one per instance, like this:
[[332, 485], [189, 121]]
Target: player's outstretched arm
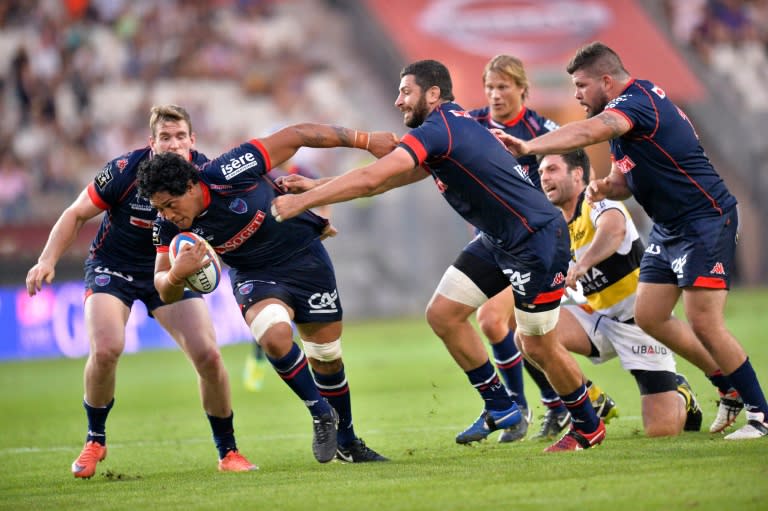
[[61, 237], [394, 170], [572, 136], [295, 183], [284, 143]]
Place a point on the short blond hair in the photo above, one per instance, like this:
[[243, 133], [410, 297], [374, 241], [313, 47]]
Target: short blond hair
[[512, 68], [164, 113]]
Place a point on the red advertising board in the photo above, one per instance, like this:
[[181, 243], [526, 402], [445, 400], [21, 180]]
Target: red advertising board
[[544, 34]]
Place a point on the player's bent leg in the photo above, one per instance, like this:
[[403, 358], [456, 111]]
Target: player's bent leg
[[189, 323], [105, 318], [704, 309], [495, 317], [663, 414], [322, 345], [270, 324], [449, 320]]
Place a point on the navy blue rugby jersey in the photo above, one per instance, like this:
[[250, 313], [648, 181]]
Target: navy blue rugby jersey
[[236, 221], [124, 239], [665, 166], [478, 176], [526, 125]]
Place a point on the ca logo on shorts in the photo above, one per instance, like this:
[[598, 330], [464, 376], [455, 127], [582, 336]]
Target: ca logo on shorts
[[324, 303], [518, 280], [678, 264]]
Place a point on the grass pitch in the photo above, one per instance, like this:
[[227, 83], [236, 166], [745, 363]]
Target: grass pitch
[[409, 400]]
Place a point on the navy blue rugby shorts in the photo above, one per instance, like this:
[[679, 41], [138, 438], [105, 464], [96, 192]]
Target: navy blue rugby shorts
[[536, 269], [306, 282], [128, 287], [699, 253]]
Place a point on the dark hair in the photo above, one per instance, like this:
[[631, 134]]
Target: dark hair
[[429, 73], [166, 172], [576, 158], [597, 59]]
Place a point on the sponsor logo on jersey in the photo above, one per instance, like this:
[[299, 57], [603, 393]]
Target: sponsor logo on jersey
[[239, 206], [518, 280], [104, 176], [242, 236], [593, 280], [550, 125], [625, 164], [523, 172], [146, 206], [238, 165], [718, 269], [559, 279], [142, 223], [649, 350], [324, 303], [615, 101], [460, 113], [107, 271], [121, 164]]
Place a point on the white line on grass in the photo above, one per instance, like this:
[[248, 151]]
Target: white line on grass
[[177, 441]]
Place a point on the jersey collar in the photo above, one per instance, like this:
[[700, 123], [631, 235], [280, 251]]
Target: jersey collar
[[511, 122]]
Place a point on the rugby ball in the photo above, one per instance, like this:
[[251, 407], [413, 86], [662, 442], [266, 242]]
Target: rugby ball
[[206, 278]]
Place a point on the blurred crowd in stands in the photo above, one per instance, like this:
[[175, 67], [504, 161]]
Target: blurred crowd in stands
[[78, 77], [731, 36]]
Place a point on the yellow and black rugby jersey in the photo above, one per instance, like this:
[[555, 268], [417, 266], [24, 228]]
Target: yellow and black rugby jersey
[[610, 285]]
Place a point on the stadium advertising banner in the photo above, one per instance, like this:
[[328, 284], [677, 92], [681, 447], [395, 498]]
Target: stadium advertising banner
[[51, 324], [465, 34]]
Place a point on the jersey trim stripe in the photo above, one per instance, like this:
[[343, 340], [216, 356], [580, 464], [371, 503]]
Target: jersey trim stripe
[[416, 148], [258, 145], [710, 282], [96, 198]]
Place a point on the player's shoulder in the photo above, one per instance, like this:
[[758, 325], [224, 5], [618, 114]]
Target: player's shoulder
[[540, 123], [121, 169], [637, 93], [481, 114], [238, 164]]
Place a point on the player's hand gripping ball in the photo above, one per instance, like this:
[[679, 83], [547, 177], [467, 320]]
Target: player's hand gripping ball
[[206, 278]]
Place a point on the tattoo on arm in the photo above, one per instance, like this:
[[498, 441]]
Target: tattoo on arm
[[317, 138], [612, 123]]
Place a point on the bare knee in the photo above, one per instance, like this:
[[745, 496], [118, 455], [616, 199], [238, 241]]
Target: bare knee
[[493, 324], [208, 363], [438, 319], [661, 428], [106, 353], [277, 340], [532, 350]]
